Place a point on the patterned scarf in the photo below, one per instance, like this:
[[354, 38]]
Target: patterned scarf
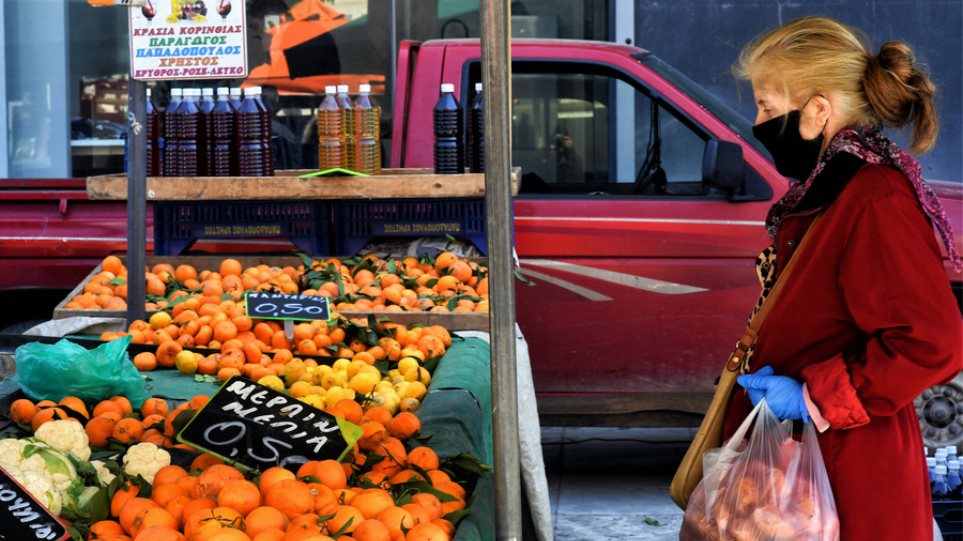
[[872, 147]]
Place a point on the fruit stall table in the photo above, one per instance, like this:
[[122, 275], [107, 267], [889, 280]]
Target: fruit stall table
[[457, 413]]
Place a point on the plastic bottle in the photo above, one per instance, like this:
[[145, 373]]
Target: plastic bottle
[[950, 452], [476, 132], [331, 151], [449, 129], [368, 115], [250, 141], [931, 466], [267, 142], [169, 166], [940, 487], [222, 135], [236, 96], [953, 480], [188, 126], [153, 139], [205, 127], [349, 126]]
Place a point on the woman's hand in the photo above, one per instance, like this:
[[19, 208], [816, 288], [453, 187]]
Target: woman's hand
[[783, 395]]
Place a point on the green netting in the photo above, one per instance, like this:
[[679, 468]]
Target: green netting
[[457, 413]]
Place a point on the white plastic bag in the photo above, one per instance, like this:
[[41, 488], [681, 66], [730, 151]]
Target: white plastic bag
[[766, 487]]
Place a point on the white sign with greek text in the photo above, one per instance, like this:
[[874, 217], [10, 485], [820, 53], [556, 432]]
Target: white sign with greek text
[[188, 39]]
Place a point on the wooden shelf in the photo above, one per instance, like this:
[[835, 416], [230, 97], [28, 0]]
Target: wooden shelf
[[286, 185]]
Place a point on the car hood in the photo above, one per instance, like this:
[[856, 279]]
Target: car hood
[[951, 197]]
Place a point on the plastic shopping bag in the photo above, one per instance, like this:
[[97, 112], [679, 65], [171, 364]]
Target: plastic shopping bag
[[765, 487], [53, 371]]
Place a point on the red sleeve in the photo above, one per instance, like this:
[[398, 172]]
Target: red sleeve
[[893, 283]]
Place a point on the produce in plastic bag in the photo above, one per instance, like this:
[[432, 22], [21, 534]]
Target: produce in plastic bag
[[767, 487], [53, 371]]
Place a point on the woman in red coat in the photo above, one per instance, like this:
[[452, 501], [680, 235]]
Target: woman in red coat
[[867, 320]]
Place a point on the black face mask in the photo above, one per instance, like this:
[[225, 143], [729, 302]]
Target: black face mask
[[794, 156]]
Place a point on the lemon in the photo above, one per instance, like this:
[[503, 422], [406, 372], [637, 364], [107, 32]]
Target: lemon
[[407, 363], [160, 320], [416, 389], [364, 383], [341, 364], [410, 404], [185, 362], [299, 389], [313, 400], [334, 395], [411, 351], [294, 370], [272, 382]]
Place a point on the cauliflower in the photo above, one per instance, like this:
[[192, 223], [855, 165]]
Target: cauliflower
[[65, 436], [11, 452], [40, 487], [145, 459], [103, 474]]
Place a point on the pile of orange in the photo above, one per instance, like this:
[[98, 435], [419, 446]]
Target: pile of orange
[[359, 499], [113, 420], [445, 283]]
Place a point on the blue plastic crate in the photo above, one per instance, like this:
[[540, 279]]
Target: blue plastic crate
[[177, 225], [949, 516], [356, 223]]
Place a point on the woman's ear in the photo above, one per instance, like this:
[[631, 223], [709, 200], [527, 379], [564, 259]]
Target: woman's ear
[[815, 117]]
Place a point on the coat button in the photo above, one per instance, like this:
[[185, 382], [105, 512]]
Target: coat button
[[791, 243]]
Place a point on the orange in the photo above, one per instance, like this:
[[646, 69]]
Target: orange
[[397, 520], [371, 502], [460, 270], [75, 404], [404, 425], [128, 430], [231, 267], [163, 494], [204, 461], [113, 265], [343, 514], [225, 330], [445, 525], [371, 530], [427, 532], [214, 479], [328, 472], [145, 361], [120, 498], [351, 409], [307, 526], [22, 411], [324, 500], [184, 273], [429, 502], [373, 434], [445, 260], [45, 415], [159, 533], [167, 353], [379, 414], [241, 495], [273, 476], [272, 534], [264, 518], [424, 458], [104, 528], [192, 507], [291, 497], [132, 510], [417, 513], [155, 406]]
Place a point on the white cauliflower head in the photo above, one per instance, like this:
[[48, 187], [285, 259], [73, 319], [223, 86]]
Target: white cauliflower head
[[40, 487], [103, 474], [11, 452], [65, 436], [145, 459]]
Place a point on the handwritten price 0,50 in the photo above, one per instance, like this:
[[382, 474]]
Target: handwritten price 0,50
[[288, 309], [227, 433]]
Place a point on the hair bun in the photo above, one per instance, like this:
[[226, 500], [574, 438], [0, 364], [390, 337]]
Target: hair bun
[[901, 93]]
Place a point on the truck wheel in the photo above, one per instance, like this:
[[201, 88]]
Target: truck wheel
[[940, 411]]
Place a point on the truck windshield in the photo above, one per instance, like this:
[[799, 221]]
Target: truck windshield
[[723, 112]]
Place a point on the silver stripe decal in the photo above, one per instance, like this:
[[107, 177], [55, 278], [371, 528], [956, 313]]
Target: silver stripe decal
[[638, 220], [637, 282], [574, 288]]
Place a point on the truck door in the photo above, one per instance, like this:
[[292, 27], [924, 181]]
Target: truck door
[[643, 271]]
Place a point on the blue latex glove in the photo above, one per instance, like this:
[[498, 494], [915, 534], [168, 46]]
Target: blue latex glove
[[783, 395]]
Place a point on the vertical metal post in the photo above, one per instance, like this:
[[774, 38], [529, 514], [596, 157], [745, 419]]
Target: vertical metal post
[[136, 197], [393, 24], [497, 78]]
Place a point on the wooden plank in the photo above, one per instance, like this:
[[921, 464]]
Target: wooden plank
[[60, 312], [393, 184]]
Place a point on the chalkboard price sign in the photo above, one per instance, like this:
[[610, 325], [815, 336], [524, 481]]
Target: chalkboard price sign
[[23, 518], [251, 425], [279, 306]]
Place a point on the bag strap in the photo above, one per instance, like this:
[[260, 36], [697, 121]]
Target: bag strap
[[744, 346]]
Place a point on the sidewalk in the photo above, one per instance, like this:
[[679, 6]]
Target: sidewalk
[[613, 483]]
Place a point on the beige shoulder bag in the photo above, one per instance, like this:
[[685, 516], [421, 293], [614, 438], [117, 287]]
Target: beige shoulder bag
[[709, 435]]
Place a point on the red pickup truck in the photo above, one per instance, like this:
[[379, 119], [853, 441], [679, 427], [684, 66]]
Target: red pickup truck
[[639, 217]]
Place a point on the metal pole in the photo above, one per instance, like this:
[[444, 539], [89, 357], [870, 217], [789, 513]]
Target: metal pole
[[393, 24], [497, 78], [136, 197]]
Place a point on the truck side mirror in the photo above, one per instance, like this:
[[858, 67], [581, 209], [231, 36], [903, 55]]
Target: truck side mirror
[[722, 166]]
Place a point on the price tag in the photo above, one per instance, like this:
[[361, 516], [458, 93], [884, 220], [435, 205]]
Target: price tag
[[256, 427], [279, 306], [24, 518]]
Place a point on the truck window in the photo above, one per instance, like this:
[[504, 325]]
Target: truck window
[[582, 129]]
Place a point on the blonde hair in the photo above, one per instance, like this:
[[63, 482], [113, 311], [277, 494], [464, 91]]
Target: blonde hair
[[814, 55]]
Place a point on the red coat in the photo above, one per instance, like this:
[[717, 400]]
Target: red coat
[[867, 321]]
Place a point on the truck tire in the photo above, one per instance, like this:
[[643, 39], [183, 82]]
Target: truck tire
[[940, 411]]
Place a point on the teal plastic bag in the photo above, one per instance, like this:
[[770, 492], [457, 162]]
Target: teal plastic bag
[[53, 371]]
